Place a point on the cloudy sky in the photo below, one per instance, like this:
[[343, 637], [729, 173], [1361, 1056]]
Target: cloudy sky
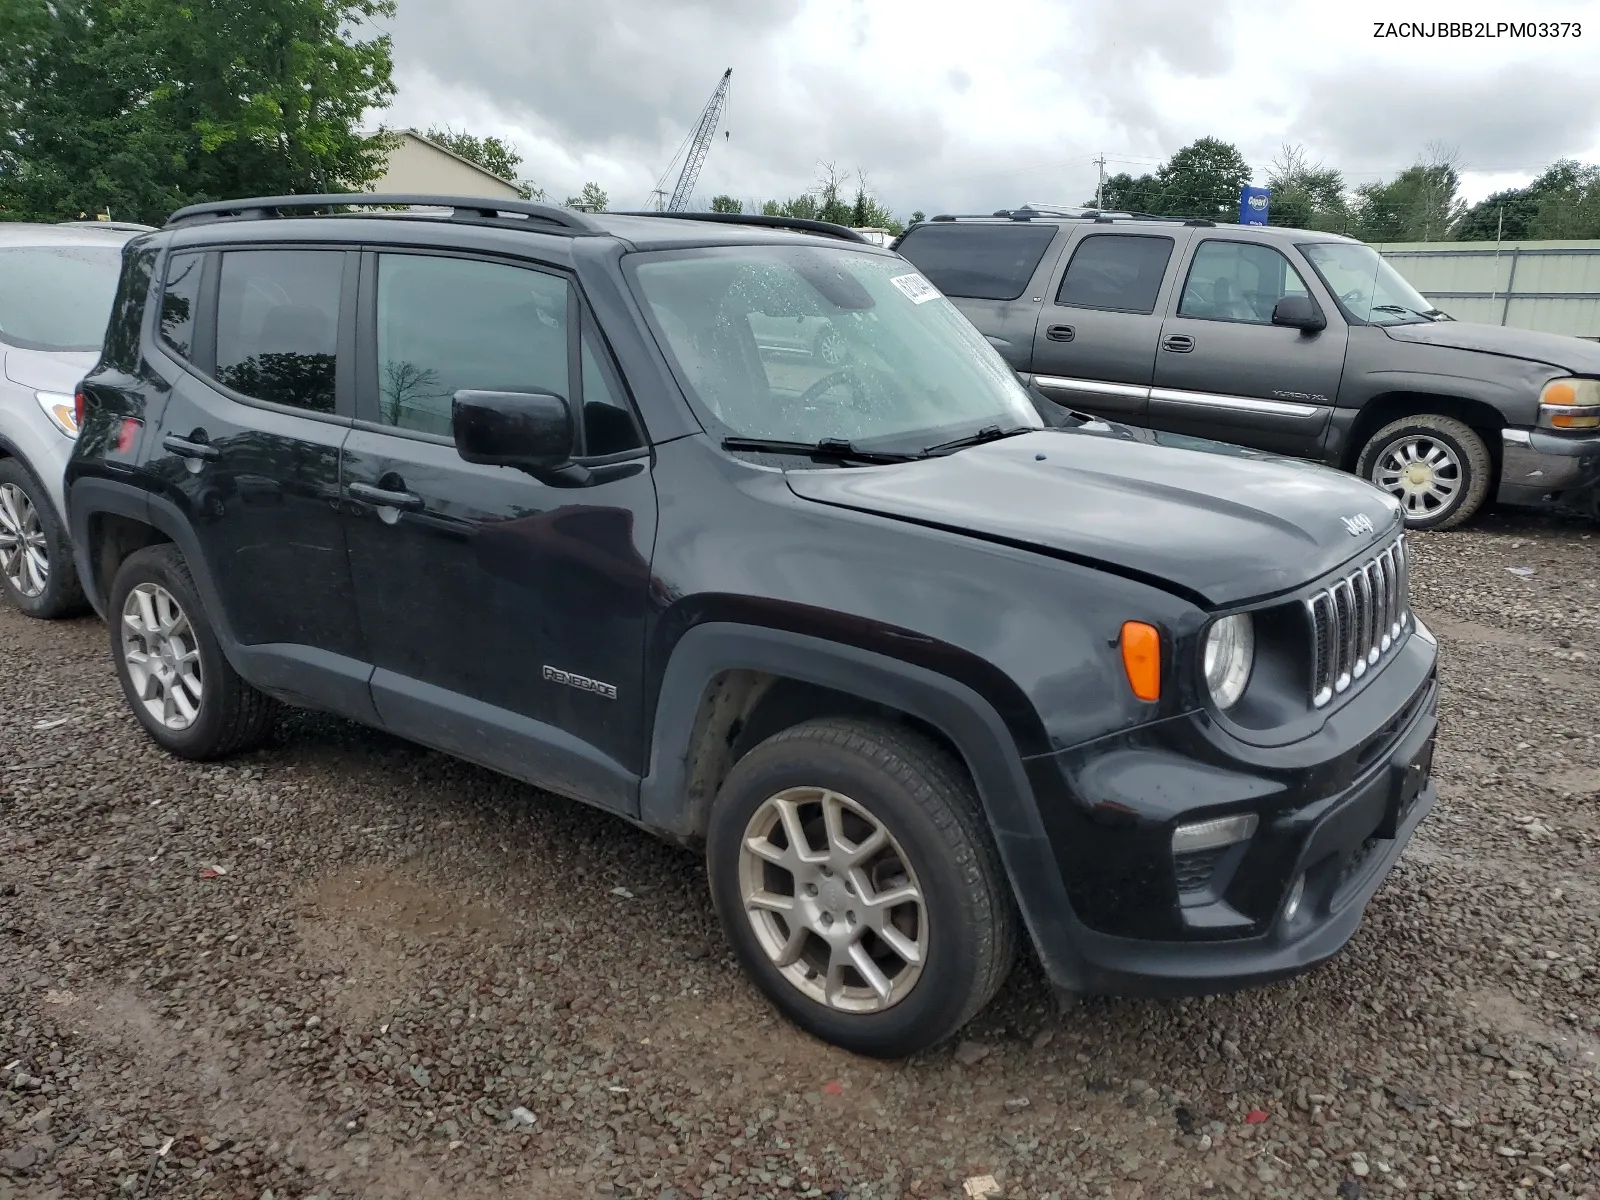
[[973, 106]]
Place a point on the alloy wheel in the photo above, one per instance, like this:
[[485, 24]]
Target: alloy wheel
[[833, 900], [24, 550], [1422, 472], [162, 656]]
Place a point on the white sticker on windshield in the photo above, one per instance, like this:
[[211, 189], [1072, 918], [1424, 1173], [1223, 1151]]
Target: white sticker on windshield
[[918, 289]]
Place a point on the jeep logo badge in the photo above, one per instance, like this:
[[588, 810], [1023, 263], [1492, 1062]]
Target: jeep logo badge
[[1358, 524]]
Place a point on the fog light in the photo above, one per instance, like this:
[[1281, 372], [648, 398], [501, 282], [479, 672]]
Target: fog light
[[1208, 835], [1296, 894]]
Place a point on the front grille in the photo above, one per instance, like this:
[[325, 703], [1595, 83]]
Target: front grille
[[1357, 620]]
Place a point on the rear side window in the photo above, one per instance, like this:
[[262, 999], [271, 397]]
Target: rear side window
[[978, 262], [180, 300], [1117, 271], [127, 310], [278, 325]]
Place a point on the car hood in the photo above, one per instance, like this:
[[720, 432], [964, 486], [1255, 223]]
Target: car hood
[[47, 371], [1568, 353], [1218, 523]]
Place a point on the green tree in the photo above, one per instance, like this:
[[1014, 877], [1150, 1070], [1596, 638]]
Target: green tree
[[1306, 195], [1563, 202], [591, 198], [490, 153], [726, 204], [142, 106], [1201, 180], [918, 216], [1420, 204]]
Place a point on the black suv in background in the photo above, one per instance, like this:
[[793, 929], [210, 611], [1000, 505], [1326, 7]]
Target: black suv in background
[[1304, 344], [597, 501]]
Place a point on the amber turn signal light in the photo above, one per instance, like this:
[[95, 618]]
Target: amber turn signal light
[[1141, 659]]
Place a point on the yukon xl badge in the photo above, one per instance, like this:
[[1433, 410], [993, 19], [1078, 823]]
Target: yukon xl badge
[[1357, 525], [581, 683]]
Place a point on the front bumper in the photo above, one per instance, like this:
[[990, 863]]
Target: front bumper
[[1337, 810], [1550, 469]]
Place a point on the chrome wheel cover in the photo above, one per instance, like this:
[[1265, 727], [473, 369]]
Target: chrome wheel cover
[[24, 552], [162, 656], [1421, 472], [833, 900]]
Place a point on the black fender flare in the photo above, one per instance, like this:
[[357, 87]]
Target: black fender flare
[[964, 716]]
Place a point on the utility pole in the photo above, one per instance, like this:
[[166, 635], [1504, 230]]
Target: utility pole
[[1100, 187]]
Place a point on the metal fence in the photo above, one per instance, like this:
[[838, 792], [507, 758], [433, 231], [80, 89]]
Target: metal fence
[[1553, 287]]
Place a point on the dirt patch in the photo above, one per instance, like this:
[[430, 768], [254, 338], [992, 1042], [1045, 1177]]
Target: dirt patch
[[1578, 781], [1452, 629], [1512, 1020]]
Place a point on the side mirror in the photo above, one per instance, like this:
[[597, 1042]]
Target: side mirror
[[533, 431], [1299, 312]]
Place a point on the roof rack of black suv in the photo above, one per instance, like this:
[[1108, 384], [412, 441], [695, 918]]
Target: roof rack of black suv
[[470, 209], [797, 224]]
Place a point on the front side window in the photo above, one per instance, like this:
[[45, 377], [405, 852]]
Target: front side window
[[180, 301], [57, 298], [278, 325], [807, 342], [978, 262], [1117, 271], [1367, 287], [448, 324], [1238, 281]]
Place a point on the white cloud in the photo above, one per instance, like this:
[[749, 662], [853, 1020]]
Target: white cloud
[[957, 107]]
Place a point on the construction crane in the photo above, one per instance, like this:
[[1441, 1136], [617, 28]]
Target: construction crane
[[697, 144]]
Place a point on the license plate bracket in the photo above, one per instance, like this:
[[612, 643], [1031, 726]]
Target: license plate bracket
[[1408, 779]]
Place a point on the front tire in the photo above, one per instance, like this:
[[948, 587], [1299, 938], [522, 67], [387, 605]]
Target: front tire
[[853, 872], [1437, 467], [182, 689], [36, 567]]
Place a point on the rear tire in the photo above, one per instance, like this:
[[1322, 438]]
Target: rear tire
[[177, 681], [848, 783], [1436, 466], [36, 568]]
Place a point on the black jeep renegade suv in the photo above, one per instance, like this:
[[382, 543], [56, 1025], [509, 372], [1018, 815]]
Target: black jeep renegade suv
[[917, 657]]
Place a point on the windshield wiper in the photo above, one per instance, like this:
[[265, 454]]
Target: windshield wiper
[[1400, 308], [837, 449], [989, 433]]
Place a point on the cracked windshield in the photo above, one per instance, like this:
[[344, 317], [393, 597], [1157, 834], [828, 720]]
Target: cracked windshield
[[803, 344]]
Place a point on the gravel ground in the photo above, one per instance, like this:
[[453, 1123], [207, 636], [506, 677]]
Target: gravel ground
[[345, 966]]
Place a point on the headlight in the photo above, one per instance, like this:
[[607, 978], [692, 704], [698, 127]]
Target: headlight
[[1570, 404], [62, 410], [1229, 655]]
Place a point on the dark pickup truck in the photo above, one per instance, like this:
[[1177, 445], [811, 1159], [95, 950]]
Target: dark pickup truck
[[1297, 343]]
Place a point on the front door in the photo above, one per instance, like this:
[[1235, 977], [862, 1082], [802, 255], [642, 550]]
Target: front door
[[1225, 371], [505, 616], [247, 446], [1095, 348]]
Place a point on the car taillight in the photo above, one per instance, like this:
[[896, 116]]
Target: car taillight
[[79, 400]]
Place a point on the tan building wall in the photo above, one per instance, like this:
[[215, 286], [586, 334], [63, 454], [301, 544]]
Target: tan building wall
[[418, 165]]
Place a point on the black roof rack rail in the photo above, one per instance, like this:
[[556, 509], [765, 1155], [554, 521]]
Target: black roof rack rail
[[798, 224], [1053, 212], [462, 208]]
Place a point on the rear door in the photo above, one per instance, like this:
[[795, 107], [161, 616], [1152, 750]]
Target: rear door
[[986, 270], [1095, 347], [254, 343], [1225, 371]]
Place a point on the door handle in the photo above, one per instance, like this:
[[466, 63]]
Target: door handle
[[184, 448], [1061, 333], [1178, 343], [383, 498]]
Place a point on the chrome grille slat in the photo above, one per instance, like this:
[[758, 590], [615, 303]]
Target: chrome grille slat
[[1356, 620]]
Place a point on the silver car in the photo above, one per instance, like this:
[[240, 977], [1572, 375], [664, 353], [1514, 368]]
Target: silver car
[[57, 283]]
